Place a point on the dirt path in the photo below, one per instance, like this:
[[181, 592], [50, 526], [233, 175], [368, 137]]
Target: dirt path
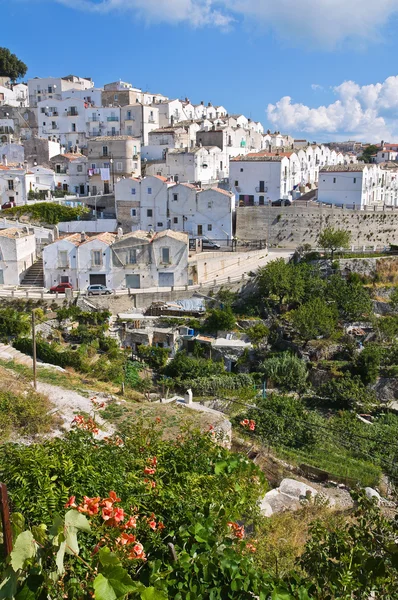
[[67, 404]]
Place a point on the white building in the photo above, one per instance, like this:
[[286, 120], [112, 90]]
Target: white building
[[71, 173], [63, 121], [17, 254], [13, 185], [14, 95], [155, 203], [362, 185], [138, 120], [45, 89], [137, 260], [146, 260], [205, 165]]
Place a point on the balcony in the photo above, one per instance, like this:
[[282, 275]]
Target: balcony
[[261, 190], [151, 120], [115, 119], [94, 120], [63, 265], [72, 113], [112, 133]]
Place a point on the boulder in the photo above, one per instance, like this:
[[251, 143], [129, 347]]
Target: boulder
[[275, 502], [371, 493], [386, 389], [296, 489]]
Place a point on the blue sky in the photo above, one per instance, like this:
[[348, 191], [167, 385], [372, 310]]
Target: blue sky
[[321, 69]]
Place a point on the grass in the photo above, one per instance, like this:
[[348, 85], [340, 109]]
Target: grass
[[23, 412], [71, 380]]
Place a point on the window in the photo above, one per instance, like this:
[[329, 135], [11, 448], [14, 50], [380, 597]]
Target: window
[[63, 259], [119, 166], [200, 229], [132, 257], [128, 115], [236, 184], [159, 224], [241, 170], [334, 179], [93, 165], [129, 130], [220, 165], [10, 184], [50, 89], [104, 150], [133, 191], [261, 200], [165, 254], [73, 111], [133, 212], [175, 197], [80, 168], [209, 204], [73, 126], [175, 220], [149, 191], [96, 258], [355, 179], [116, 97], [209, 227], [149, 212]]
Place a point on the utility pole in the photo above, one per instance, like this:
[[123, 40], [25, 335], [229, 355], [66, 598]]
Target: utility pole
[[34, 349]]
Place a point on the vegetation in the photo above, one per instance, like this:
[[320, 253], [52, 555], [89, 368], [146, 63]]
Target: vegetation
[[11, 66], [314, 319], [368, 152], [286, 371], [48, 212], [333, 239]]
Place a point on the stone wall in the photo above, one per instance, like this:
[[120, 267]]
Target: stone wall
[[291, 226]]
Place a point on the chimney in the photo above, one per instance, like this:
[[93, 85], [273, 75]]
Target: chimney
[[209, 104], [82, 237], [202, 103]]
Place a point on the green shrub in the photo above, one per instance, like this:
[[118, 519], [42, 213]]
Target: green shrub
[[213, 384], [48, 212], [186, 367], [155, 357], [286, 371], [220, 319]]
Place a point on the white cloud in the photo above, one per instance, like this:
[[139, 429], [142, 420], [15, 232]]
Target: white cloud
[[316, 87], [326, 23], [363, 112]]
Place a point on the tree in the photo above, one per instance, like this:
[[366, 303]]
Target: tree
[[258, 333], [286, 371], [347, 393], [352, 299], [275, 279], [10, 65], [315, 318], [368, 153], [394, 299], [367, 363], [333, 239], [220, 319]]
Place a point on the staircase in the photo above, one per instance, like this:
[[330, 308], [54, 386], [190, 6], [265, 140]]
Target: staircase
[[34, 276], [9, 353]]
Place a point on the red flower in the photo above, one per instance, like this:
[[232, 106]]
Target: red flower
[[252, 425], [107, 513], [137, 552], [158, 420], [118, 515], [132, 522], [89, 506], [160, 526], [71, 502], [149, 471], [126, 539], [152, 524], [245, 422]]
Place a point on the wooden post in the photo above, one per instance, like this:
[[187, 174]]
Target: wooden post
[[5, 519], [34, 349]]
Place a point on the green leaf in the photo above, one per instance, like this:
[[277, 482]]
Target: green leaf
[[40, 533], [107, 557], [75, 519], [220, 467], [114, 582], [152, 594], [17, 524], [30, 588], [25, 548], [8, 586], [280, 594]]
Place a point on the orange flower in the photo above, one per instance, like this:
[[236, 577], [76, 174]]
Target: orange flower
[[118, 515], [132, 522], [149, 471], [160, 526], [158, 420], [126, 539], [137, 552], [152, 524], [89, 506], [71, 502]]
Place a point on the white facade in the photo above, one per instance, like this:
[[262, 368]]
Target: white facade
[[14, 95], [52, 88], [13, 185], [17, 254], [63, 121], [137, 260], [205, 165], [156, 204], [71, 173], [386, 156], [12, 154], [360, 185], [139, 120]]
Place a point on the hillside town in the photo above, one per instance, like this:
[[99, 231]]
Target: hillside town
[[198, 349]]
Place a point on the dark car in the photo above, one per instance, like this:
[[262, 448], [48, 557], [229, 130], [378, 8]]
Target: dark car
[[281, 202], [209, 245], [8, 205], [60, 288]]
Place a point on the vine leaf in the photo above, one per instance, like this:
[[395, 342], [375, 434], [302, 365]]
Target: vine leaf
[[74, 521], [113, 583], [25, 548]]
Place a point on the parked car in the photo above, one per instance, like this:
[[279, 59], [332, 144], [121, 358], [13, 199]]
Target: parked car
[[7, 205], [281, 202], [60, 288], [209, 245], [98, 290]]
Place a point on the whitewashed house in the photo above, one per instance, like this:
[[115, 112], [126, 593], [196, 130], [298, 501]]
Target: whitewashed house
[[138, 120], [71, 172], [203, 165], [361, 185], [13, 185], [63, 121], [79, 259], [17, 254], [14, 95], [52, 88], [147, 259]]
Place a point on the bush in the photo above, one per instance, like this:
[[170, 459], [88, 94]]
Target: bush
[[48, 212], [258, 333], [347, 392], [367, 364], [213, 384], [286, 371], [155, 357], [184, 367], [219, 319], [13, 323], [315, 318]]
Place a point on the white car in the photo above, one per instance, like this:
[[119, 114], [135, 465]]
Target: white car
[[98, 290]]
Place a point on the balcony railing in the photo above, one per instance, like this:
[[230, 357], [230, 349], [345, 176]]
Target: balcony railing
[[72, 113], [112, 133], [151, 120], [261, 190], [113, 119], [94, 120], [63, 265]]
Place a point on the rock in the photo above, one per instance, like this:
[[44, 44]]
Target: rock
[[275, 502], [266, 508], [371, 493], [296, 489], [386, 389]]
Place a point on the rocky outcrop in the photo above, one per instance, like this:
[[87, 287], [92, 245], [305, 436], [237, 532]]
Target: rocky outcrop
[[289, 496], [387, 389]]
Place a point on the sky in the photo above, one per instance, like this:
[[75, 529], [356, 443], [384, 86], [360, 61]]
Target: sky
[[319, 69]]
